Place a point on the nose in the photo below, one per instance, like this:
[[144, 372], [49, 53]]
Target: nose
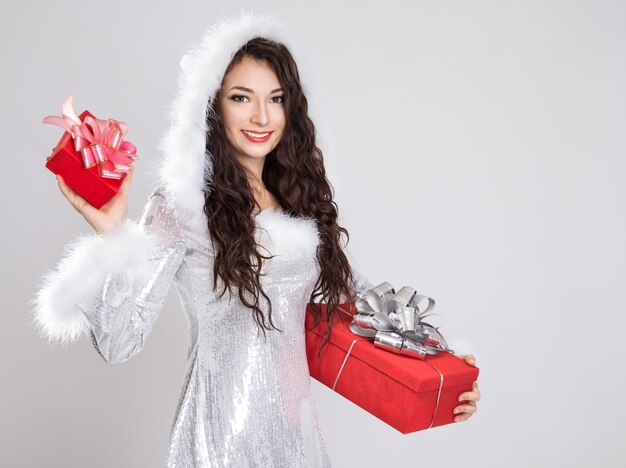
[[260, 115]]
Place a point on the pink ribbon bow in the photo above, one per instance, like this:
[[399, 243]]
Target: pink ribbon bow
[[98, 141]]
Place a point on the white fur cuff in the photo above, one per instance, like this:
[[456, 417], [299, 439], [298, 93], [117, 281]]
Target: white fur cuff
[[79, 275]]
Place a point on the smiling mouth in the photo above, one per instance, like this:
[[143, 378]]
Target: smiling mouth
[[257, 137]]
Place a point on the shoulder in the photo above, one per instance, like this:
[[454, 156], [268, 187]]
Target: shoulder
[[162, 201]]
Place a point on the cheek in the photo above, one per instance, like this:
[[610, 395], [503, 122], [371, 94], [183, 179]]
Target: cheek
[[279, 120], [231, 118]]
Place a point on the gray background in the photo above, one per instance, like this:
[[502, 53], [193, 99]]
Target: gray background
[[477, 151]]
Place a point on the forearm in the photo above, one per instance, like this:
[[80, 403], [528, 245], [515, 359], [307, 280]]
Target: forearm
[[112, 285]]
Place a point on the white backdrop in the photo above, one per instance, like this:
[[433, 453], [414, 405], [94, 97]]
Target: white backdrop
[[478, 154]]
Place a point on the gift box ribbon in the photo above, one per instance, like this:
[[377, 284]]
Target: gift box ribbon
[[99, 142], [396, 321]]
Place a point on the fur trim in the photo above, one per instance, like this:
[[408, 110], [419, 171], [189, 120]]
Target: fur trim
[[186, 164], [287, 237], [82, 270]]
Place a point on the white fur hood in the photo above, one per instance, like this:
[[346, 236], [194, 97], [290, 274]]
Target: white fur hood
[[185, 165]]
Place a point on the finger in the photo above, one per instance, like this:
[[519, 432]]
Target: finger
[[477, 390], [471, 393], [79, 203], [126, 182], [471, 396], [469, 408], [75, 200], [462, 417], [470, 359]]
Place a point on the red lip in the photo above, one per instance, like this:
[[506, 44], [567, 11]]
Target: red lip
[[257, 140]]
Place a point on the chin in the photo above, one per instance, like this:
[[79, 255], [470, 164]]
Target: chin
[[259, 153], [254, 155]]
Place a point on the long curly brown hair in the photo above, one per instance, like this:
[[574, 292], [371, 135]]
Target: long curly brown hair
[[294, 173]]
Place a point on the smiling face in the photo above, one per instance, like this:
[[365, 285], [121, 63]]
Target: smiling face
[[253, 112]]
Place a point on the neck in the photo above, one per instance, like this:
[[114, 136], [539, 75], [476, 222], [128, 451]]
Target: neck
[[254, 173], [254, 167]]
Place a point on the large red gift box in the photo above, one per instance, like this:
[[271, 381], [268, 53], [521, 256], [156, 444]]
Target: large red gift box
[[88, 183], [407, 393]]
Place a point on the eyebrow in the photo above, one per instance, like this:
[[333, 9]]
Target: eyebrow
[[248, 90]]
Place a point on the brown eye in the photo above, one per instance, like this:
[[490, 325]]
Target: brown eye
[[281, 99], [238, 97]]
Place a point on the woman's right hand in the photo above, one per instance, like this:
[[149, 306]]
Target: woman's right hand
[[109, 216]]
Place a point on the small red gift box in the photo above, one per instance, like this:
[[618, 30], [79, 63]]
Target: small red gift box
[[88, 183], [407, 393]]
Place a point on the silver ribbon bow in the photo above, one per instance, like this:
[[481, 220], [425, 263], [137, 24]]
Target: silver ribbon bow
[[396, 321]]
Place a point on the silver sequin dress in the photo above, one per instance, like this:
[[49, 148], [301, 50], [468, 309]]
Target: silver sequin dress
[[248, 405], [242, 406]]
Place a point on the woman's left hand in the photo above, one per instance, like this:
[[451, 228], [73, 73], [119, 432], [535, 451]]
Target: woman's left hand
[[463, 412]]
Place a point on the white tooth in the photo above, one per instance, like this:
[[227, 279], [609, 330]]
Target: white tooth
[[256, 135]]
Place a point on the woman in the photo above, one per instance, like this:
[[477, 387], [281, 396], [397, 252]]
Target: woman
[[244, 224]]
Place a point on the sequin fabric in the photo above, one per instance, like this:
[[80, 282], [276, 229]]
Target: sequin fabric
[[245, 401]]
